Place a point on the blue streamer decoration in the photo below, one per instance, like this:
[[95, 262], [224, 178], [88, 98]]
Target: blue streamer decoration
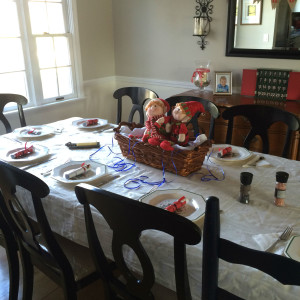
[[210, 176]]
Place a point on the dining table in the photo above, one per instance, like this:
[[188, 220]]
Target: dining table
[[256, 224]]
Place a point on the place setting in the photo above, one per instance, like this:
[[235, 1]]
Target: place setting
[[34, 132], [225, 154], [90, 123], [75, 172], [26, 155], [179, 201]]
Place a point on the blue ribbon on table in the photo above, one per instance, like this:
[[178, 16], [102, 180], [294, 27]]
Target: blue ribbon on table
[[210, 176]]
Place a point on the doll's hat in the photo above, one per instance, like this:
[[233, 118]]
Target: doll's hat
[[191, 108]]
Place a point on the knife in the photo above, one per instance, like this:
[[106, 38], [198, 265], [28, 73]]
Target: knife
[[38, 163], [253, 161]]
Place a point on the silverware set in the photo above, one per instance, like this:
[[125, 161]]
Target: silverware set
[[283, 237], [37, 164]]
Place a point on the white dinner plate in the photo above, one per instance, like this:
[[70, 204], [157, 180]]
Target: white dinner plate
[[39, 152], [96, 171], [292, 249], [193, 210], [23, 132], [239, 153], [82, 123]]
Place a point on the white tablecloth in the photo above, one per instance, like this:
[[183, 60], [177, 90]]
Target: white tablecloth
[[241, 223]]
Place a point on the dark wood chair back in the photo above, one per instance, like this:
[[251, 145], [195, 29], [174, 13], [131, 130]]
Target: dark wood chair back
[[139, 96], [7, 240], [208, 106], [283, 269], [38, 245], [127, 219], [20, 101], [261, 117]]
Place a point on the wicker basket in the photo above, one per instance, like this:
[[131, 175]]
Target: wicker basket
[[182, 162]]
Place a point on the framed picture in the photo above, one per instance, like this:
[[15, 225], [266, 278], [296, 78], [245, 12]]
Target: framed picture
[[251, 12], [223, 83]]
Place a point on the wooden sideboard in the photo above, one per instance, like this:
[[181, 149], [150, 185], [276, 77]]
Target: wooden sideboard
[[242, 126]]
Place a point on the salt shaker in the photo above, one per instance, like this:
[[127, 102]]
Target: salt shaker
[[280, 188], [246, 180]]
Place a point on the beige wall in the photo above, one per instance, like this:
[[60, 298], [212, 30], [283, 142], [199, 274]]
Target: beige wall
[[96, 38], [153, 39]]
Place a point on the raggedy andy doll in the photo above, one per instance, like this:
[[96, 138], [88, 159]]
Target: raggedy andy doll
[[174, 126], [155, 109]]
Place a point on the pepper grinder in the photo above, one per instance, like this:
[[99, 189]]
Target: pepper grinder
[[246, 180], [280, 187]]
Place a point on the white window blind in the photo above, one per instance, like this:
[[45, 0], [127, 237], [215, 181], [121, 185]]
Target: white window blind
[[37, 52]]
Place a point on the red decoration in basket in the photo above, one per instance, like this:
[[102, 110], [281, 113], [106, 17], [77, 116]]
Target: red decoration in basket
[[174, 127], [155, 109]]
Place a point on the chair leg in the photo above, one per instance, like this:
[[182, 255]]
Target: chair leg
[[27, 275], [13, 265], [70, 291]]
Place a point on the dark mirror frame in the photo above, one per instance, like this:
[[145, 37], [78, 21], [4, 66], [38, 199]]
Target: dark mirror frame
[[240, 52]]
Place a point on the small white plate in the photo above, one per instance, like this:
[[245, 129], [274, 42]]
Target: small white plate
[[292, 249], [96, 171], [23, 131], [82, 123], [39, 152], [193, 210], [240, 153]]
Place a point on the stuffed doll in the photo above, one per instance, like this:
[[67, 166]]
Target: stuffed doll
[[174, 126], [155, 109]]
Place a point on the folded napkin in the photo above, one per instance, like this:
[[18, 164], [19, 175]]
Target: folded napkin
[[257, 161], [264, 241], [201, 138], [84, 168]]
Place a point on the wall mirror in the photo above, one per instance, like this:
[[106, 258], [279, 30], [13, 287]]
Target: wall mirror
[[254, 29]]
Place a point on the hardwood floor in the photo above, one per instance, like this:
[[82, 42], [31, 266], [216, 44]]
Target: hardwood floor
[[44, 288]]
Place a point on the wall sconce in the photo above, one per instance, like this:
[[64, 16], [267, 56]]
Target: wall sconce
[[202, 20]]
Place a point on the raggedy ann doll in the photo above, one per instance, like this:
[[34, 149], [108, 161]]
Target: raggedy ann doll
[[174, 126], [155, 109]]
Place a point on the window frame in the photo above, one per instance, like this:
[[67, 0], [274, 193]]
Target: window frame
[[32, 69]]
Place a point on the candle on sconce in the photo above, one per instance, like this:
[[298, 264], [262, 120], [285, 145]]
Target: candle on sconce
[[199, 26], [196, 25]]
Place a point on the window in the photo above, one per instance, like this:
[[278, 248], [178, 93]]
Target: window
[[36, 50]]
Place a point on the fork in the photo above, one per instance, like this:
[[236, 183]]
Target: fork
[[49, 170], [153, 189], [283, 237]]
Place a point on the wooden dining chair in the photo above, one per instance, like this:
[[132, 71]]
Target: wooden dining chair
[[7, 240], [20, 101], [261, 117], [283, 269], [209, 107], [138, 96], [128, 219], [68, 264]]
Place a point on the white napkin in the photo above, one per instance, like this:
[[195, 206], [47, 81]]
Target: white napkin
[[264, 241], [263, 163], [257, 161]]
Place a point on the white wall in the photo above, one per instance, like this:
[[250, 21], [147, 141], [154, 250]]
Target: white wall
[[144, 43], [154, 39]]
